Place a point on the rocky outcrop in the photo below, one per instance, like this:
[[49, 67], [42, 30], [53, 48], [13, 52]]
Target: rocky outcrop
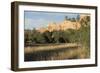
[[64, 25]]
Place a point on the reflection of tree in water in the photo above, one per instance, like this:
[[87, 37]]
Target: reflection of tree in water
[[60, 54]]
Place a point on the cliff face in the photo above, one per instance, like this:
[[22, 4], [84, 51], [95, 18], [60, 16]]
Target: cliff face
[[61, 26], [66, 24]]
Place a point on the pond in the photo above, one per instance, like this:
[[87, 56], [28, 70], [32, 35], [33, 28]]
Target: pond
[[57, 54]]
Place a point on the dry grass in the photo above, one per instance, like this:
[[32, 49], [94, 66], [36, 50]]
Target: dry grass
[[50, 47], [58, 54]]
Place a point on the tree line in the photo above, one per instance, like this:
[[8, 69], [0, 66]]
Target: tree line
[[68, 36]]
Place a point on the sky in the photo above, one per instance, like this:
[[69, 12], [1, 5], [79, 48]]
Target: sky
[[38, 19]]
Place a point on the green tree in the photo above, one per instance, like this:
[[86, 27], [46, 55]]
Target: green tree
[[55, 36], [37, 37], [27, 35], [85, 31], [48, 36]]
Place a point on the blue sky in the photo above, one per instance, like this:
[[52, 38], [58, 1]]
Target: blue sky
[[37, 19]]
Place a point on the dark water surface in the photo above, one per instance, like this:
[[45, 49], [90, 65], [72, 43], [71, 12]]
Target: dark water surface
[[60, 54]]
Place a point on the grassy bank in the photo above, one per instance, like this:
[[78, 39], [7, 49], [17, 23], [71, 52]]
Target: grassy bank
[[68, 51]]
